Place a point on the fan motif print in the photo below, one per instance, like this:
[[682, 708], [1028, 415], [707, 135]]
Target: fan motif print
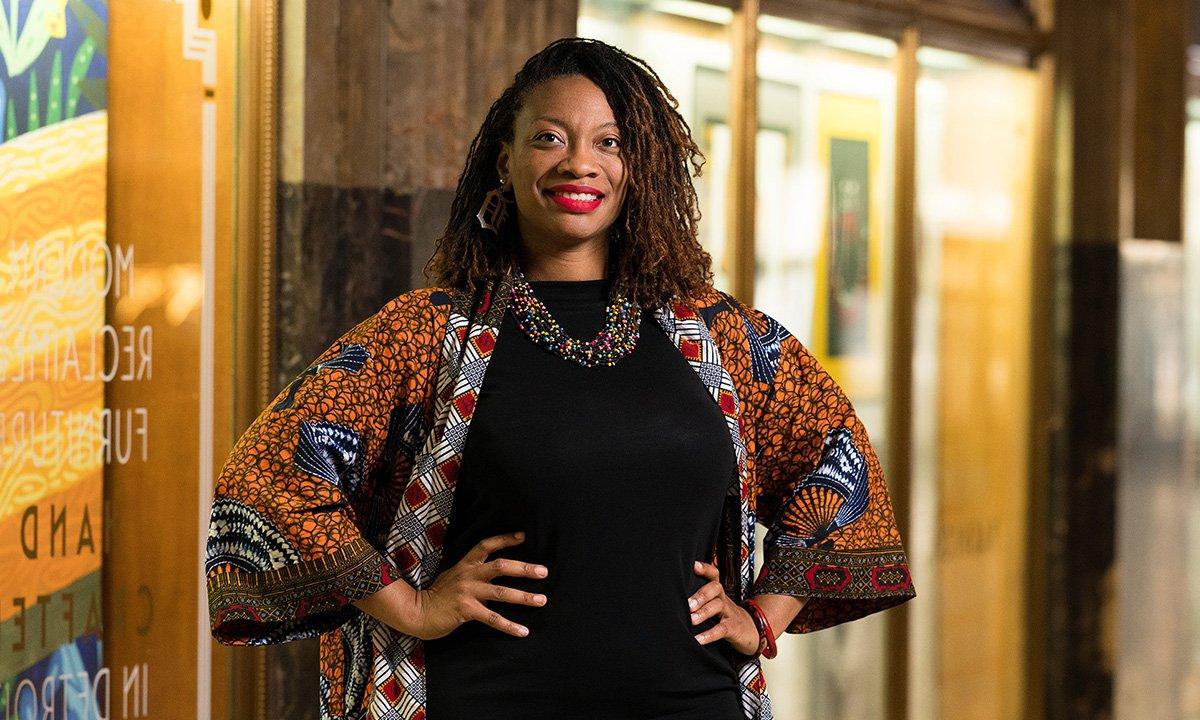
[[831, 497], [765, 347], [331, 452], [351, 359], [245, 540]]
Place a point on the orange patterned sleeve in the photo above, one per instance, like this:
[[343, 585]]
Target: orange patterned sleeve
[[822, 496], [287, 552]]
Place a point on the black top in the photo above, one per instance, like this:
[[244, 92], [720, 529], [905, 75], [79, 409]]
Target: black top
[[617, 475]]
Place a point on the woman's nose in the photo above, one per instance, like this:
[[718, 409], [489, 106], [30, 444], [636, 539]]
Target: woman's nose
[[580, 160]]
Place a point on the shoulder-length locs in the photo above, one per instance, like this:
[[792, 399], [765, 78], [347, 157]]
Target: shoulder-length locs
[[655, 256]]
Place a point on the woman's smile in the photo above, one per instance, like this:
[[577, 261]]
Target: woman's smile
[[576, 198]]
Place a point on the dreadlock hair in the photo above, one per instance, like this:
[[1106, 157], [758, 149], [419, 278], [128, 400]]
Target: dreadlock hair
[[654, 256]]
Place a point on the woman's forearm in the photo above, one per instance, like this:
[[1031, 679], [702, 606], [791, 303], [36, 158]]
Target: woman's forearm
[[395, 605], [780, 610]]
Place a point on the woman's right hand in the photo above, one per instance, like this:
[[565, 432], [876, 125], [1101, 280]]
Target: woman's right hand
[[458, 593]]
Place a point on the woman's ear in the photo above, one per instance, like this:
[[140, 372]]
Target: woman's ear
[[502, 161]]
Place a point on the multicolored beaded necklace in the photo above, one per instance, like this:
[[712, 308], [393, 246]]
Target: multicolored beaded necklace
[[615, 340]]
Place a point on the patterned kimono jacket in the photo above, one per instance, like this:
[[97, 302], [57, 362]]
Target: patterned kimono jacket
[[345, 482]]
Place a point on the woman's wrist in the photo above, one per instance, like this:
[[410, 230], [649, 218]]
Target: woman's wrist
[[766, 636], [781, 610], [397, 605]]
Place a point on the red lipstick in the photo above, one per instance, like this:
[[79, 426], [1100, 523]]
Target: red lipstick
[[574, 204]]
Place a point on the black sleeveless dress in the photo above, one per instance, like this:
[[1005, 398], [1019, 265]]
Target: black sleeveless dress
[[617, 476]]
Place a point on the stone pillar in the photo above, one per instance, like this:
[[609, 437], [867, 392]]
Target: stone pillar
[[378, 113], [1120, 89]]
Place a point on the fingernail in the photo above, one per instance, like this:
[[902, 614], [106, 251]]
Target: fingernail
[[524, 631], [693, 617], [519, 535], [696, 565], [542, 571], [691, 603], [540, 598]]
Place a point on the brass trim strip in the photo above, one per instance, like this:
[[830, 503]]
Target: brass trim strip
[[1045, 420], [899, 363], [743, 121], [255, 220]]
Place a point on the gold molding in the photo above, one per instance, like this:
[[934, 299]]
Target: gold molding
[[899, 361], [1045, 420], [254, 250], [265, 191], [743, 124]]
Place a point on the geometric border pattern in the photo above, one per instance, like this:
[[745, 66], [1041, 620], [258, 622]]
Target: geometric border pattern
[[853, 574], [840, 585], [287, 599]]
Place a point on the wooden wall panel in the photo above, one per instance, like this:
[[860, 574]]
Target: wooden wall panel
[[1155, 70]]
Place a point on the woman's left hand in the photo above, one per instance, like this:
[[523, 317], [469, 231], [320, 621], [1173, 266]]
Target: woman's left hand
[[736, 625]]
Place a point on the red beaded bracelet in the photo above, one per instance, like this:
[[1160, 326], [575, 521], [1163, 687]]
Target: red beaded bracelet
[[766, 637]]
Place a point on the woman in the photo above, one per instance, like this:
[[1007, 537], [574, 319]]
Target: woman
[[634, 424]]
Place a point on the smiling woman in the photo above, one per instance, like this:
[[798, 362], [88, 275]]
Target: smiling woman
[[567, 172], [574, 147], [573, 537]]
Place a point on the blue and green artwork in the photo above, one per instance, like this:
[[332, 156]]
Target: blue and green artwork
[[53, 63]]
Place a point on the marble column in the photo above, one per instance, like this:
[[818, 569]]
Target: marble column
[[1120, 84]]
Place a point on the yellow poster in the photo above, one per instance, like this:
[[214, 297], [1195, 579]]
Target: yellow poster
[[848, 307]]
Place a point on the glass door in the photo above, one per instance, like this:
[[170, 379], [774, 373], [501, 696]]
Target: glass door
[[688, 45], [972, 368], [824, 170]]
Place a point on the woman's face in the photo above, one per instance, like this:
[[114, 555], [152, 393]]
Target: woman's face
[[565, 164]]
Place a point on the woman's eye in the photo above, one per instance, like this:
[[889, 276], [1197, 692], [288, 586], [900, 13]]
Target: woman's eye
[[614, 142]]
